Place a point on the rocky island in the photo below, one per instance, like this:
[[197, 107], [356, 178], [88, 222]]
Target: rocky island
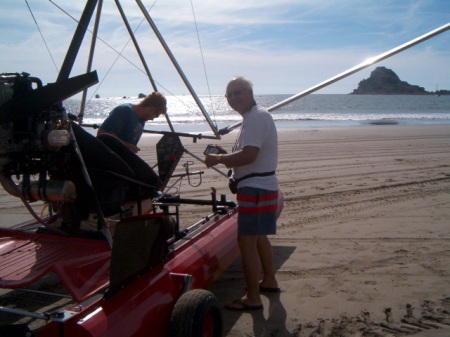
[[383, 81]]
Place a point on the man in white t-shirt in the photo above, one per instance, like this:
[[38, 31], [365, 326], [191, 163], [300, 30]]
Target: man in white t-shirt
[[254, 161]]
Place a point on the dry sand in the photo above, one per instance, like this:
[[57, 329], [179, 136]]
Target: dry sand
[[365, 228]]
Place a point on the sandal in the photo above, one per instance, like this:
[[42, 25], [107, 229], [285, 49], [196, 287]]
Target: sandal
[[239, 305]]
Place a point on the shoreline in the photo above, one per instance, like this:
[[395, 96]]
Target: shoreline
[[300, 125], [307, 124]]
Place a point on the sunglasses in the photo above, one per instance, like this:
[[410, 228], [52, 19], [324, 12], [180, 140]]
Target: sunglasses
[[233, 93]]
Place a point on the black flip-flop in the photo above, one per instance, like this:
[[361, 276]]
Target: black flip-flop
[[269, 290], [243, 306]]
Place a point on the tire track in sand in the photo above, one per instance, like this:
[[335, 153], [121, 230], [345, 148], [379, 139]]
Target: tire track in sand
[[315, 208]]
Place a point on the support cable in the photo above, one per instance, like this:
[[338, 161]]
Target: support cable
[[91, 58], [106, 43], [203, 61], [42, 36], [178, 68], [120, 55]]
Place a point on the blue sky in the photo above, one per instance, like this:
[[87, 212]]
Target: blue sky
[[283, 46]]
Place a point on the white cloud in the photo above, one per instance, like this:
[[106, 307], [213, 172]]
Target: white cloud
[[284, 46]]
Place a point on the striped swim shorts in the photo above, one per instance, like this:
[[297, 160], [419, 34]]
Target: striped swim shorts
[[257, 211]]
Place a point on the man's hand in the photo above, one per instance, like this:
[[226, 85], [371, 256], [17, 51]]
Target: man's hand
[[212, 159], [131, 146], [239, 158]]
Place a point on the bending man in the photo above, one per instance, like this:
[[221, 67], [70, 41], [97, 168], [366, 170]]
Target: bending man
[[126, 121]]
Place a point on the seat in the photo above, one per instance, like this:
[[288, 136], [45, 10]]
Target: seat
[[142, 171], [115, 180]]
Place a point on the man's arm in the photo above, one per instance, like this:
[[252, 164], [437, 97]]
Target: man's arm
[[239, 158], [131, 146]]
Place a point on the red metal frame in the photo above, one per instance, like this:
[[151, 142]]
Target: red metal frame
[[82, 265], [142, 308]]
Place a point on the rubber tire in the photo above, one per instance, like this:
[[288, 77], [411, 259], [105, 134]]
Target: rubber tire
[[195, 314]]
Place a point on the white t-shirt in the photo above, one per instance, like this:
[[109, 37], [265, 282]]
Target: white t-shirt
[[258, 129]]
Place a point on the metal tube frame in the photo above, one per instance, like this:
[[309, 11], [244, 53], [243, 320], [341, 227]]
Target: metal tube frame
[[178, 68], [141, 56], [91, 57], [349, 72], [77, 40]]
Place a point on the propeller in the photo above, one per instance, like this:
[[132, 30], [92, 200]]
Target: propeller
[[34, 101]]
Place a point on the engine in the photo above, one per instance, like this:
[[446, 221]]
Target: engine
[[31, 141], [47, 156]]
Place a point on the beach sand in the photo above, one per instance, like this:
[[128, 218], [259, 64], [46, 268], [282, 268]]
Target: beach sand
[[365, 228], [364, 231]]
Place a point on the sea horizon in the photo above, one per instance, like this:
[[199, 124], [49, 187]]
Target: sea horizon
[[316, 110]]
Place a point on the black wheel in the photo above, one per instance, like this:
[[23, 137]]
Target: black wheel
[[196, 314]]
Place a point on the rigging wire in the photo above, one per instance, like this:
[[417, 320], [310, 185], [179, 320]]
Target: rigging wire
[[203, 61], [120, 54], [42, 36], [106, 43]]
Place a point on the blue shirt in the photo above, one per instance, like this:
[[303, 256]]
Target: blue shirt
[[124, 122]]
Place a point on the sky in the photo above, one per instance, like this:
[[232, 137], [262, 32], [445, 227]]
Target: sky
[[282, 46]]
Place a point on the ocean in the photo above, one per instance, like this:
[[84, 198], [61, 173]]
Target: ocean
[[316, 110]]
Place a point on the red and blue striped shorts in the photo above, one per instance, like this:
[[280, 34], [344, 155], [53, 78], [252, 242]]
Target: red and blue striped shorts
[[257, 211]]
